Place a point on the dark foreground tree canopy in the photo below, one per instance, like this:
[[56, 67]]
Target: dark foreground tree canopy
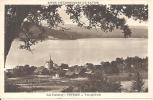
[[106, 17]]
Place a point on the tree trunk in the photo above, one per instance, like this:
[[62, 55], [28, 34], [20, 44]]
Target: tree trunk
[[12, 29], [10, 33]]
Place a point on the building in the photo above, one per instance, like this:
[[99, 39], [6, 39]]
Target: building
[[50, 64]]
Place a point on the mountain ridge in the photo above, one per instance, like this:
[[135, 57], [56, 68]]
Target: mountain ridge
[[74, 32]]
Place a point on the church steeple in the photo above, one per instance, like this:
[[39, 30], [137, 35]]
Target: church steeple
[[50, 63], [50, 60]]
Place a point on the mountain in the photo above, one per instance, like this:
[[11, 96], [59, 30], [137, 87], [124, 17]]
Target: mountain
[[74, 32]]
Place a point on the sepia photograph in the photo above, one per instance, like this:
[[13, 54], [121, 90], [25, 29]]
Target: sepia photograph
[[99, 48]]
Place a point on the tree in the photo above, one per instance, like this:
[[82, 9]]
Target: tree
[[15, 15], [127, 32], [64, 66], [41, 71], [114, 68], [96, 83], [138, 83], [99, 16]]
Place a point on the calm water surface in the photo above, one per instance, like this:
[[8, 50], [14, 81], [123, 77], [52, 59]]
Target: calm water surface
[[79, 51]]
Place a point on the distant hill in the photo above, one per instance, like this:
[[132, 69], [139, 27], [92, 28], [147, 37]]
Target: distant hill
[[75, 32]]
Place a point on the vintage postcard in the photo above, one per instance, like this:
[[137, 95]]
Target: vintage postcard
[[76, 49]]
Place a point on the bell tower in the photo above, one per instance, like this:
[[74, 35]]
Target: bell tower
[[50, 64]]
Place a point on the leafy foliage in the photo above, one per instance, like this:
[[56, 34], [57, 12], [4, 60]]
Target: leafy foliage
[[138, 12], [10, 87], [107, 17], [138, 83], [98, 78], [20, 71], [96, 83], [120, 65]]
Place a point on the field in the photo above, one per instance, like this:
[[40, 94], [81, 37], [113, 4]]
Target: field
[[47, 83]]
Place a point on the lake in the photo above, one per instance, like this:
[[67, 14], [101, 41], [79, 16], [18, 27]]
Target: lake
[[80, 51]]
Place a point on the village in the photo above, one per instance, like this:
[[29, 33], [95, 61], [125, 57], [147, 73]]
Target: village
[[64, 70], [65, 77]]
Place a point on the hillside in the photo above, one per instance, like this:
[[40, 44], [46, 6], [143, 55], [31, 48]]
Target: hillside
[[75, 32]]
